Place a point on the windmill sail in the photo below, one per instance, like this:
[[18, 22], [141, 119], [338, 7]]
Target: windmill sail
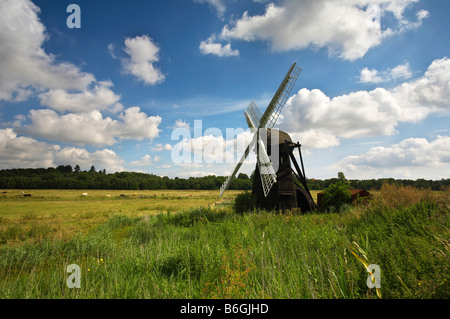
[[238, 166], [266, 171], [280, 98], [253, 115]]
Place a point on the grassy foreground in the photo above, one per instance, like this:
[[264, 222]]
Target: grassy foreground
[[211, 252]]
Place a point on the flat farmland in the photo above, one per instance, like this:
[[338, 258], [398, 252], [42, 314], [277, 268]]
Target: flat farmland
[[62, 213]]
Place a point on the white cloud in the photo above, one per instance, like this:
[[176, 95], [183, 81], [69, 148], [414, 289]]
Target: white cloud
[[346, 28], [111, 50], [370, 76], [137, 125], [161, 147], [26, 152], [100, 98], [102, 159], [402, 71], [20, 151], [213, 148], [320, 121], [182, 124], [143, 54], [26, 69], [91, 127], [422, 14], [413, 157], [144, 161], [218, 5], [211, 47], [24, 64]]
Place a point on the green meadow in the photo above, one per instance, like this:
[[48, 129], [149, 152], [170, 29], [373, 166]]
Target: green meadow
[[191, 244]]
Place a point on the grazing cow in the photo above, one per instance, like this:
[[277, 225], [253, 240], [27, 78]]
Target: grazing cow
[[26, 195], [5, 192], [84, 194]]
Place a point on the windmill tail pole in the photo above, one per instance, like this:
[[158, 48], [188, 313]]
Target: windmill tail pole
[[301, 173]]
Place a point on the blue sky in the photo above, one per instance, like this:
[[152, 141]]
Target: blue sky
[[372, 101]]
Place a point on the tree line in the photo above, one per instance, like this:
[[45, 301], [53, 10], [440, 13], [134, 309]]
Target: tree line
[[66, 177], [375, 184]]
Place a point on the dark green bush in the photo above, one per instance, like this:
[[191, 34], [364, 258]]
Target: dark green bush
[[336, 196], [244, 202]]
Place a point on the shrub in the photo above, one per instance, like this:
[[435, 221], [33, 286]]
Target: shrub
[[336, 196], [244, 202], [393, 196]]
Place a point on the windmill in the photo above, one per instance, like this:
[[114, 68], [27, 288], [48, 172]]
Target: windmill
[[275, 189]]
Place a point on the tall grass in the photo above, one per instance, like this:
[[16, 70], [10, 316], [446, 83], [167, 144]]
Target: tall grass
[[205, 253]]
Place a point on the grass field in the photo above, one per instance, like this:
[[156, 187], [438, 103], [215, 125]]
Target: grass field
[[63, 213], [188, 244]]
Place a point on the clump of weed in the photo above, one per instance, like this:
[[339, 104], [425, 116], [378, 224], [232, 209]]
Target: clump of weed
[[29, 216], [233, 281], [189, 217], [181, 263]]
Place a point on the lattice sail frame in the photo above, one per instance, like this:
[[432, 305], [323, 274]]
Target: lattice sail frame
[[266, 171], [280, 98], [256, 120]]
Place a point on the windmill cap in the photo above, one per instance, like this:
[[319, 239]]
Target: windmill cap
[[282, 137]]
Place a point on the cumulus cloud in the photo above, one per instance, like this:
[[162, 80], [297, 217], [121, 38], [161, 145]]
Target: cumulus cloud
[[182, 124], [211, 154], [212, 147], [209, 46], [402, 71], [320, 121], [105, 159], [161, 147], [347, 29], [26, 69], [100, 97], [143, 53], [414, 157], [137, 125], [91, 127], [21, 151], [146, 160], [370, 76], [24, 64]]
